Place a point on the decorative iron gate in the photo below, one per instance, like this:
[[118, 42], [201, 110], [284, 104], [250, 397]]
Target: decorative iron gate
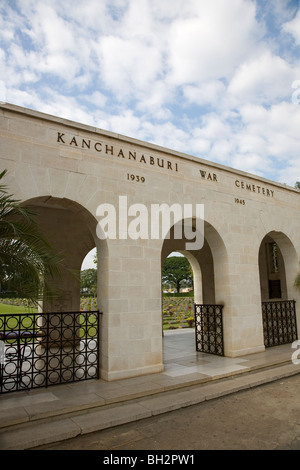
[[209, 329], [279, 322], [38, 350]]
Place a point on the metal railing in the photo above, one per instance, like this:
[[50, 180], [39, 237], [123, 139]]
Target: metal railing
[[209, 329], [279, 322], [43, 349]]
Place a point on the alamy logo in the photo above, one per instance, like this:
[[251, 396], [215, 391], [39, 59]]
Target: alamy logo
[[296, 94], [135, 222], [296, 344]]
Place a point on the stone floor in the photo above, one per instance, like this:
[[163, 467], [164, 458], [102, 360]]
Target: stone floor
[[181, 358]]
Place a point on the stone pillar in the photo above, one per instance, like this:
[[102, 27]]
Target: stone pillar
[[242, 313], [130, 293]]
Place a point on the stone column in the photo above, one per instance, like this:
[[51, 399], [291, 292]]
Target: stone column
[[130, 293]]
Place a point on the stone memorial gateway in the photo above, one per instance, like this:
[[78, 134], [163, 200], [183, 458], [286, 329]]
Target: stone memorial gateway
[[93, 188]]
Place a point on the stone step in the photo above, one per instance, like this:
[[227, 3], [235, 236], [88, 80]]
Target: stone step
[[57, 427]]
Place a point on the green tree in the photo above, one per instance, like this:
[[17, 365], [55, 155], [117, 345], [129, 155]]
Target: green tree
[[176, 271], [297, 184], [88, 280], [28, 264]]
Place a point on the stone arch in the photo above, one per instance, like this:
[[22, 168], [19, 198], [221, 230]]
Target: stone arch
[[209, 263], [278, 266], [71, 229], [210, 269]]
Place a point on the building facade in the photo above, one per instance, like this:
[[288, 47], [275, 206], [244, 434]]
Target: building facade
[[93, 188]]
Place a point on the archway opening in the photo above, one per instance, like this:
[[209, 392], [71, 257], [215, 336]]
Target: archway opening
[[177, 292], [272, 270], [62, 342], [209, 265], [277, 269], [89, 282], [71, 230]]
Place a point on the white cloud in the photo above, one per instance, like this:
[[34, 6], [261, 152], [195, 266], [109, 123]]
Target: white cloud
[[206, 78], [290, 174], [166, 134], [96, 98], [125, 120], [270, 138], [212, 42], [154, 101], [55, 33], [263, 79], [293, 27], [208, 93], [128, 66], [2, 91]]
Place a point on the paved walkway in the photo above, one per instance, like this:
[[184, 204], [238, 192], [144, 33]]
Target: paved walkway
[[42, 416]]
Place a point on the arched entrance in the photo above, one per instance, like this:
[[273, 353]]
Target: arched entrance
[[71, 230], [177, 292], [209, 265], [277, 268], [88, 281], [67, 345]]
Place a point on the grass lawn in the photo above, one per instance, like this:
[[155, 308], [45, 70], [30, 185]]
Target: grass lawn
[[176, 312], [28, 322], [5, 308]]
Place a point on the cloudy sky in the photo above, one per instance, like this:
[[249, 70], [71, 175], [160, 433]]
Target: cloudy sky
[[217, 79]]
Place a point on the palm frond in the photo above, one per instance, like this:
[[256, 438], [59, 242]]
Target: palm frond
[[28, 263]]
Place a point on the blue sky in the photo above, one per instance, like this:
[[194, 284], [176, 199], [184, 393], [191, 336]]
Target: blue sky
[[217, 79]]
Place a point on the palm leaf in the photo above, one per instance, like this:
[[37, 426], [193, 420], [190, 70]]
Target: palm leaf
[[28, 264]]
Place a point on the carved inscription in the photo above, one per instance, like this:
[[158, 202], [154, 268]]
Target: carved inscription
[[239, 201], [137, 178], [116, 151], [208, 176], [105, 148], [254, 188]]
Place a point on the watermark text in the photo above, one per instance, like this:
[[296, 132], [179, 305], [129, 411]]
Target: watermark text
[[135, 221], [296, 93], [296, 344]]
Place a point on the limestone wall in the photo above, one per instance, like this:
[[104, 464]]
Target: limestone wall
[[67, 170]]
